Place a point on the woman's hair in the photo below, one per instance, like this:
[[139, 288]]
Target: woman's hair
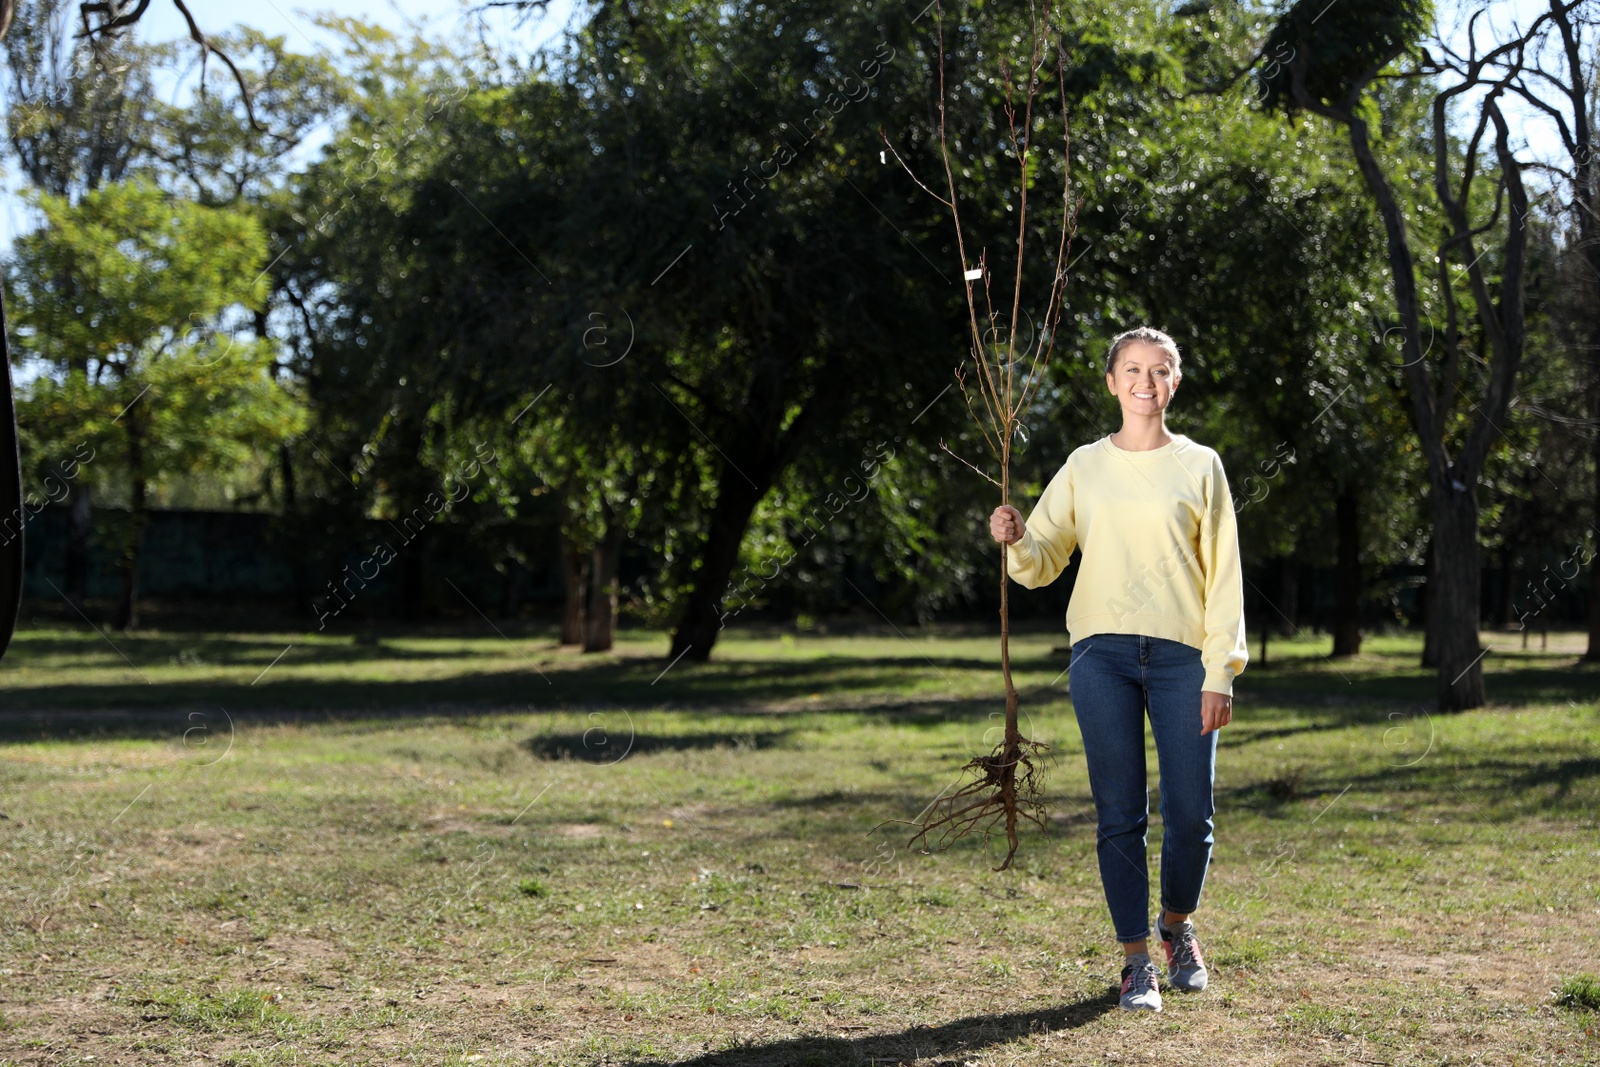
[[1148, 336]]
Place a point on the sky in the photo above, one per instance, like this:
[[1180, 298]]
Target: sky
[[294, 21], [162, 22]]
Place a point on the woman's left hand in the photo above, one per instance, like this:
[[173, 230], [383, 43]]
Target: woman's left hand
[[1216, 711]]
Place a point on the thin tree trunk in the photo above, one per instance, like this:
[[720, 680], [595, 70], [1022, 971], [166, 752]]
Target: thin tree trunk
[[575, 579], [412, 560], [1347, 591], [1428, 610], [128, 601], [1289, 602], [599, 626], [1508, 578], [11, 553], [293, 529], [1456, 601], [1593, 653], [511, 588], [1579, 136], [1012, 752], [1266, 628], [80, 527]]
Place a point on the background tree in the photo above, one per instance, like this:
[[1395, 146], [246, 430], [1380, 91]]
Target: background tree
[[1335, 61], [106, 293], [77, 116], [1558, 80]]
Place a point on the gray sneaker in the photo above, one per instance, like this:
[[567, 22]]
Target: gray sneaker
[[1186, 969], [1139, 984]]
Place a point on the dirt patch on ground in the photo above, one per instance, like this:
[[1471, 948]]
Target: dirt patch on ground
[[1522, 978]]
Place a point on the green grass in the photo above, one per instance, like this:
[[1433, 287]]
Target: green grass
[[423, 851], [1580, 992]]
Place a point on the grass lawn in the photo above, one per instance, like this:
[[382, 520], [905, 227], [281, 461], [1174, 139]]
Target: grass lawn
[[435, 849]]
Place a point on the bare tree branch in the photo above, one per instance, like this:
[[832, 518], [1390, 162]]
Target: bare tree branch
[[116, 19]]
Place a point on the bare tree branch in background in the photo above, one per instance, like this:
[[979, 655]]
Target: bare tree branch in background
[[116, 17]]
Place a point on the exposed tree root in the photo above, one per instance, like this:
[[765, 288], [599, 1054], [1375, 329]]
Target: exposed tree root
[[1004, 786]]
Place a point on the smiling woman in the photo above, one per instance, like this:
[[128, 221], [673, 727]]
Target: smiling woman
[[1156, 622]]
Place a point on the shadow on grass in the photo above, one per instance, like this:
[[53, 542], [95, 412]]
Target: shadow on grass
[[153, 718], [228, 650], [1248, 736], [958, 1039], [1492, 789], [557, 680], [309, 685], [1561, 775], [615, 742]]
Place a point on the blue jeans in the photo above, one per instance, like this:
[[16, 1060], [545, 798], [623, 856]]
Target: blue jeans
[[1115, 679]]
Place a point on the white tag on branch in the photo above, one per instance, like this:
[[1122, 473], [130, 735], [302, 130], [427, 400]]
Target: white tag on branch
[[974, 275]]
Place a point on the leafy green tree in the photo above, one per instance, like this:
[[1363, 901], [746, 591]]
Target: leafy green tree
[[78, 115], [373, 307], [109, 293], [475, 284]]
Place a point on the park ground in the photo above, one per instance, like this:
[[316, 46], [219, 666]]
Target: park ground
[[425, 848]]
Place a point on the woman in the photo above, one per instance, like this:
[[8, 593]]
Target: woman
[[1156, 623]]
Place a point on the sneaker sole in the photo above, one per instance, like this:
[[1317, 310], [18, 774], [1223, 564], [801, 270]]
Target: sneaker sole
[[1139, 1007]]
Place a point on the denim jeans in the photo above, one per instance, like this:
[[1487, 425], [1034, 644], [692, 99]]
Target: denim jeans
[[1115, 679]]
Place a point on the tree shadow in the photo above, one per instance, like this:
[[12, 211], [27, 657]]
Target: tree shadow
[[957, 1039], [1496, 789], [614, 740], [234, 672], [1249, 736]]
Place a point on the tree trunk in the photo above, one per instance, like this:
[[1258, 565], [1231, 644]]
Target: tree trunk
[[80, 527], [1347, 591], [294, 534], [11, 553], [1593, 653], [1289, 600], [602, 617], [511, 588], [412, 558], [1427, 608], [128, 601], [1508, 575], [1456, 580], [701, 621], [1266, 628], [575, 577]]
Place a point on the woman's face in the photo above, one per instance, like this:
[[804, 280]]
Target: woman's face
[[1142, 380]]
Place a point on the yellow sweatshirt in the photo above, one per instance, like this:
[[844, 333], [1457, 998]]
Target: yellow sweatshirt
[[1160, 549]]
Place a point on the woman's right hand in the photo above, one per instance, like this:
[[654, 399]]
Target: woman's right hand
[[1006, 525]]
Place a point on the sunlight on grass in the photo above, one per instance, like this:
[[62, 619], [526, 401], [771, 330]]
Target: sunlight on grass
[[650, 869]]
